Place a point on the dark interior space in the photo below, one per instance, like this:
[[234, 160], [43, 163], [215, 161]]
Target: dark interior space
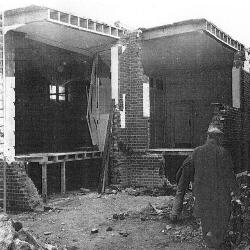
[[187, 74], [51, 99], [172, 164], [78, 174]]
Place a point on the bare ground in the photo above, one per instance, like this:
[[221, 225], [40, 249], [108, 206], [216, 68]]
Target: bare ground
[[69, 224]]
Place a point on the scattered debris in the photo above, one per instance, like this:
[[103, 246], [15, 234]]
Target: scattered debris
[[50, 247], [120, 216], [47, 233], [71, 248], [13, 236], [84, 190], [166, 190], [109, 229], [26, 236], [19, 244], [158, 211], [124, 233], [47, 208], [94, 231], [17, 226], [7, 232], [116, 187]]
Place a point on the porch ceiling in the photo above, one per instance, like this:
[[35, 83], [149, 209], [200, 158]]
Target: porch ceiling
[[63, 30], [64, 37], [187, 45], [187, 51]]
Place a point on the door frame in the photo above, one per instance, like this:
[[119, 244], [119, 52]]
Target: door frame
[[172, 120]]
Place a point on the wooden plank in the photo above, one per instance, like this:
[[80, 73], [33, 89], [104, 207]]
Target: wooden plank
[[44, 182], [172, 151], [63, 177], [59, 157], [106, 153]]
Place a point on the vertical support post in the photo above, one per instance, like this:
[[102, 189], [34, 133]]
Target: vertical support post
[[63, 177], [115, 73], [44, 182], [9, 96]]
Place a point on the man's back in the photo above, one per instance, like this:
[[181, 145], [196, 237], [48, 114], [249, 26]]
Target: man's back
[[214, 178]]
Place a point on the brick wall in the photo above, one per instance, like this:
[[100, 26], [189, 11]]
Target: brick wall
[[245, 80], [130, 163], [235, 133], [131, 79], [22, 194]]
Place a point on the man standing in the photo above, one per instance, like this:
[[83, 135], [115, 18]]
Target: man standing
[[210, 168]]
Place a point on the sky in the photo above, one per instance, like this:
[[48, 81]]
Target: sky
[[233, 17]]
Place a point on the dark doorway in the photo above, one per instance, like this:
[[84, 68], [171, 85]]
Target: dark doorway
[[182, 124]]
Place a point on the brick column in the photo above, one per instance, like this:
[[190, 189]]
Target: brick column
[[131, 163]]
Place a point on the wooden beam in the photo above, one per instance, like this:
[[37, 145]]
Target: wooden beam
[[44, 182], [63, 177]]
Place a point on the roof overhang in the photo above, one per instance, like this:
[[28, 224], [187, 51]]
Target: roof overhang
[[64, 30], [188, 45], [192, 26]]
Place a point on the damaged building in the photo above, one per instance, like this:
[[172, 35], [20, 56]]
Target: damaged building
[[68, 82]]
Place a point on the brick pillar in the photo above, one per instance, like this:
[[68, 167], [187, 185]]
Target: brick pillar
[[131, 79], [231, 121], [131, 163], [22, 194]]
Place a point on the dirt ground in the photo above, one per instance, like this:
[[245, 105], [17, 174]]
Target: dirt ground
[[68, 225]]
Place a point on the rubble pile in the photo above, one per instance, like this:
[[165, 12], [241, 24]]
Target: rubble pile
[[14, 237], [165, 190], [239, 227]]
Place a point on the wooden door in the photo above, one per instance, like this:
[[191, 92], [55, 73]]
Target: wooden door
[[182, 124]]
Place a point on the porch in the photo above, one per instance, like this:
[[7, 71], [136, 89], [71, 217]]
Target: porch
[[59, 89]]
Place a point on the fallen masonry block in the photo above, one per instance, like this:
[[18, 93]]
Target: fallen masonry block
[[94, 231], [7, 232]]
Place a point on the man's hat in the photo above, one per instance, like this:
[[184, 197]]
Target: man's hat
[[214, 129]]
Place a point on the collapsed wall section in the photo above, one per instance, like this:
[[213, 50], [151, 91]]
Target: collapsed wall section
[[131, 78], [131, 164], [22, 194]]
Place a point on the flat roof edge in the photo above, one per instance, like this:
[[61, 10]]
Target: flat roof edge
[[166, 26], [69, 19], [27, 9], [193, 25]]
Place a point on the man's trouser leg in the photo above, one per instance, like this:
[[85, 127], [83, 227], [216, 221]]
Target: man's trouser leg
[[214, 228], [178, 200]]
